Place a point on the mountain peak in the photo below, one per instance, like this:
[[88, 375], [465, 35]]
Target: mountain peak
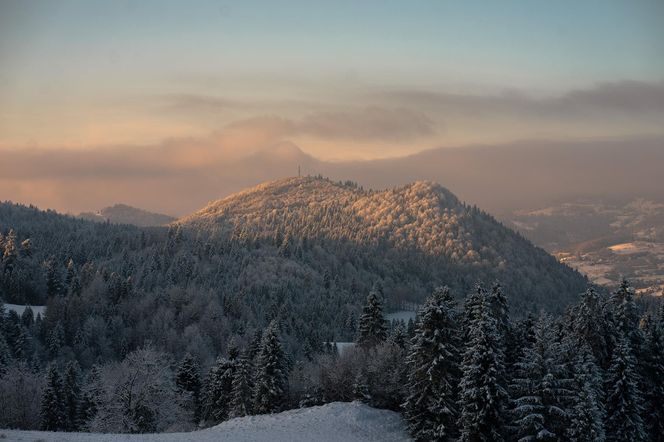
[[311, 193]]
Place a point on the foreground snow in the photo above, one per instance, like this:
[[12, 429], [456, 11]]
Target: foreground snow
[[338, 421]]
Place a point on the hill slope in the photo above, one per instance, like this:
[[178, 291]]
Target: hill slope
[[124, 214], [338, 421], [422, 226]]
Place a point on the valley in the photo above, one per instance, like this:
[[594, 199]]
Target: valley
[[604, 240]]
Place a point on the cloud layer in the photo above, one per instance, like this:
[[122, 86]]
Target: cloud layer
[[181, 174]]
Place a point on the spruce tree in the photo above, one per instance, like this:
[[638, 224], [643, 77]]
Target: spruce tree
[[241, 388], [587, 413], [483, 397], [589, 325], [470, 309], [540, 388], [372, 328], [53, 411], [71, 395], [624, 400], [653, 380], [433, 371], [625, 316], [188, 379], [218, 387], [271, 380]]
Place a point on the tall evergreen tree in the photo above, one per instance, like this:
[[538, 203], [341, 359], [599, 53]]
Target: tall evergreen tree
[[625, 316], [188, 379], [470, 308], [271, 382], [241, 388], [71, 395], [540, 389], [624, 400], [589, 325], [372, 328], [218, 386], [587, 414], [53, 411], [483, 397], [653, 376], [433, 371]]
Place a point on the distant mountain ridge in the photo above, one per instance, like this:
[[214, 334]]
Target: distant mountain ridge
[[124, 214]]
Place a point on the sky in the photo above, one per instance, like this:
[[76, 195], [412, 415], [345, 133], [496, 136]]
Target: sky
[[189, 84]]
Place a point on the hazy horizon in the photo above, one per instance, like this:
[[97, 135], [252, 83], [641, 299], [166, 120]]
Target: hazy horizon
[[166, 106]]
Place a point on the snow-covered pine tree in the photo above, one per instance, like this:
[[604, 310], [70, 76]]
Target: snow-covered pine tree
[[371, 326], [470, 308], [624, 400], [433, 371], [218, 386], [188, 379], [271, 382], [589, 325], [53, 412], [71, 395], [539, 389], [241, 388], [483, 398], [625, 316], [587, 413], [653, 374]]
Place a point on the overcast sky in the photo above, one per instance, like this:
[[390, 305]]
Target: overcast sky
[[213, 82]]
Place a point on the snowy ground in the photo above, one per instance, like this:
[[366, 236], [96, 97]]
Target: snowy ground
[[20, 308], [338, 421]]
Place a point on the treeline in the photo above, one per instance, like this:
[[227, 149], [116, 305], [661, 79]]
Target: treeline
[[463, 373], [110, 290], [473, 374]]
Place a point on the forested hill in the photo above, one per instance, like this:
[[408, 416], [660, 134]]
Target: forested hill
[[124, 214], [411, 238]]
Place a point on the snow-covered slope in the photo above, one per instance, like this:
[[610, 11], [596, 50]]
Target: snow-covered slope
[[420, 228], [338, 421]]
